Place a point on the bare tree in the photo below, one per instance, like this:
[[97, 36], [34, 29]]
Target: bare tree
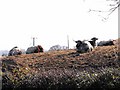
[[107, 7], [57, 48]]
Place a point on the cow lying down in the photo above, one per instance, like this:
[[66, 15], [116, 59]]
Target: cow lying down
[[15, 51], [86, 45], [83, 46], [34, 49], [106, 43]]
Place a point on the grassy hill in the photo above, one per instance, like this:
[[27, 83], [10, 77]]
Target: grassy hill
[[64, 69]]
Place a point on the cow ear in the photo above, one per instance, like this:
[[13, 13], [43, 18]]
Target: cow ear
[[96, 38]]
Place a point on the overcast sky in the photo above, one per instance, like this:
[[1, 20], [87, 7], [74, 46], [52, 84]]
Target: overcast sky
[[50, 21]]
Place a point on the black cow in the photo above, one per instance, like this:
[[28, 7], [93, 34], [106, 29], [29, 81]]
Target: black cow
[[106, 43], [15, 51], [34, 49]]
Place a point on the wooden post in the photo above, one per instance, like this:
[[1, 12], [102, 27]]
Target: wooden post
[[68, 41], [34, 40]]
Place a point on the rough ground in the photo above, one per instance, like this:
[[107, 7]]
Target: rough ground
[[64, 69]]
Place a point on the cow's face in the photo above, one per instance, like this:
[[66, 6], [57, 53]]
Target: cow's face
[[82, 47], [79, 43]]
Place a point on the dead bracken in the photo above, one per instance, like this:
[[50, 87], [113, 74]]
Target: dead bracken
[[99, 68]]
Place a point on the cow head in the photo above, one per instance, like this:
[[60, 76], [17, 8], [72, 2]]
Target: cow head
[[94, 39], [40, 49], [82, 46]]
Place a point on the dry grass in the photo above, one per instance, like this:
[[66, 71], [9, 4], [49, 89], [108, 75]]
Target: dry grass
[[64, 68]]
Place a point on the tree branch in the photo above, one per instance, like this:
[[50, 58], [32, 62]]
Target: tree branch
[[114, 4]]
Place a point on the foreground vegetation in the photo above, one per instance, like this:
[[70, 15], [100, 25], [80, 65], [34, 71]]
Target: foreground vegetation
[[63, 69]]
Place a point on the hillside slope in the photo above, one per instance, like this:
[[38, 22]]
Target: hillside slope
[[101, 56], [61, 69]]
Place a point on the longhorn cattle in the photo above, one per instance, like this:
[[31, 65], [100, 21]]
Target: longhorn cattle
[[15, 51], [34, 49]]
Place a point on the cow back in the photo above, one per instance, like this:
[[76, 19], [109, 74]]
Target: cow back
[[31, 50]]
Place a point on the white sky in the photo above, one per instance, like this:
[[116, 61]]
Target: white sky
[[51, 21]]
